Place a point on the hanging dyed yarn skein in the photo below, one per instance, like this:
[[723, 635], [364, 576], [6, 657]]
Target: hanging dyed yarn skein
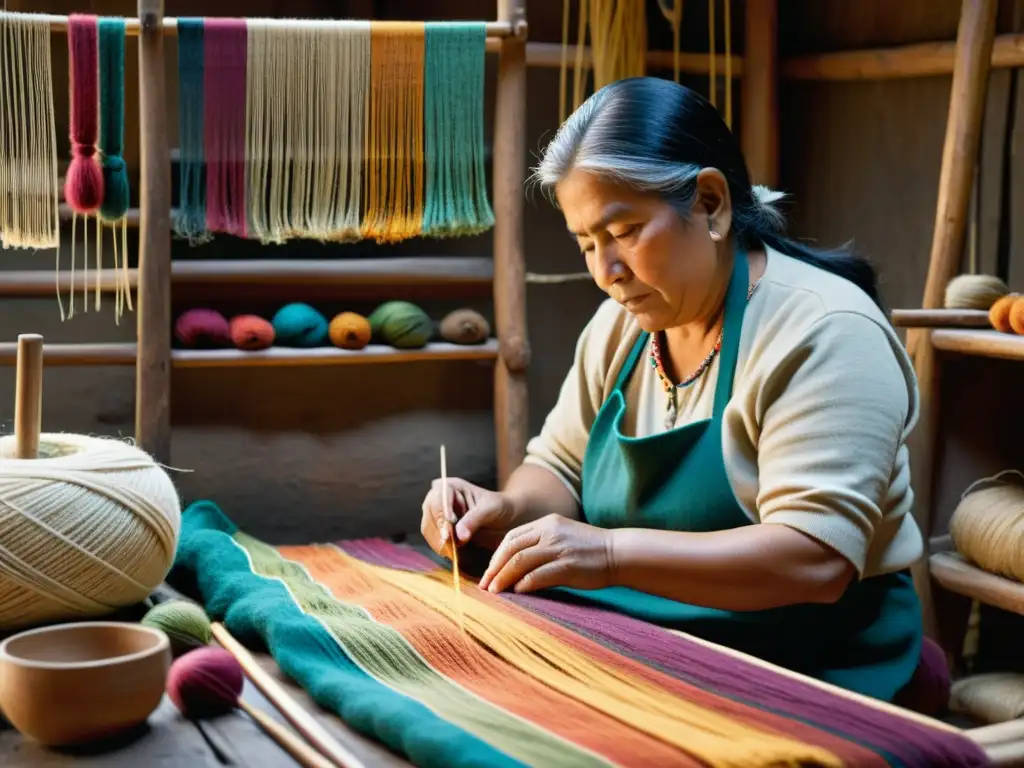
[[83, 185], [116, 191]]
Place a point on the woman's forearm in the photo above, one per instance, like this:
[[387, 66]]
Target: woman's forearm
[[743, 569], [536, 492]]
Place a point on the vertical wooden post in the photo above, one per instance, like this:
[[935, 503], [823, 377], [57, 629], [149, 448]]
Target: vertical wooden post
[[963, 135], [153, 365], [511, 416], [28, 396], [759, 129]]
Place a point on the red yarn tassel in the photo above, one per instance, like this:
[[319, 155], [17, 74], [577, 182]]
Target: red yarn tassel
[[83, 186]]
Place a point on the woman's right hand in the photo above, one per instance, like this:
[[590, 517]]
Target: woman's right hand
[[484, 516]]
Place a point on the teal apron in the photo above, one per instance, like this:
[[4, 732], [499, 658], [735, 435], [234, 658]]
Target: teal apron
[[869, 641]]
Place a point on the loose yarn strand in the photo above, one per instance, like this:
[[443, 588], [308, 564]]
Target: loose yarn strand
[[29, 186], [712, 56]]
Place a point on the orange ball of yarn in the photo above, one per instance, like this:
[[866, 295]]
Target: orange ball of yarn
[[1017, 316], [999, 314], [251, 332], [349, 331]]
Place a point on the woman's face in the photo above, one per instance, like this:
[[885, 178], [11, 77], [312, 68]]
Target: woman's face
[[640, 252]]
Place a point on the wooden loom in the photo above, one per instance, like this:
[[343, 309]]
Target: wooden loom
[[153, 357]]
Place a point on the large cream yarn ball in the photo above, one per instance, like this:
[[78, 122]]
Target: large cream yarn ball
[[89, 526]]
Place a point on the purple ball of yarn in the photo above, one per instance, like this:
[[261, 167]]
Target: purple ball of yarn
[[928, 690], [203, 329]]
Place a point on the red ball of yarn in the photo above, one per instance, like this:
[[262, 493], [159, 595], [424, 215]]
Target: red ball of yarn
[[251, 332], [83, 184], [205, 682], [203, 329]]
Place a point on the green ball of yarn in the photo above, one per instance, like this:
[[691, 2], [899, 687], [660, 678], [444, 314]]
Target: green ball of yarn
[[185, 623], [401, 324], [299, 325]]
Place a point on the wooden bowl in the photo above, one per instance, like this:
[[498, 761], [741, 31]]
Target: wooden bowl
[[80, 682]]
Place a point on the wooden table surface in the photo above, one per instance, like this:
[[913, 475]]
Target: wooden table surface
[[171, 741]]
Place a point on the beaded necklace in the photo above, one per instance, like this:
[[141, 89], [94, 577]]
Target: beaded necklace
[[672, 389]]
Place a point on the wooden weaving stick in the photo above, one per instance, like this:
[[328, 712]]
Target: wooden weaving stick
[[293, 712], [451, 531], [28, 395], [304, 754]]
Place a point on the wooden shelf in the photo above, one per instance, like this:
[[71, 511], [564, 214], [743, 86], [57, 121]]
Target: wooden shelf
[[957, 575], [124, 354], [940, 318], [1006, 346], [468, 271]]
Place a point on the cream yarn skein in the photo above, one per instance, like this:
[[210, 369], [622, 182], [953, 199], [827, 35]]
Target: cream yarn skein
[[90, 526], [987, 526]]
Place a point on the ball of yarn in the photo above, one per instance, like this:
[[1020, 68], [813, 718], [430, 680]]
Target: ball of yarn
[[251, 332], [987, 527], [202, 329], [929, 688], [464, 326], [1017, 316], [999, 313], [83, 183], [993, 697], [974, 291], [205, 682], [89, 526], [401, 324], [185, 623], [349, 331], [299, 325]]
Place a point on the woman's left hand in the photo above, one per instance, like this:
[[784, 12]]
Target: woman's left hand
[[551, 552]]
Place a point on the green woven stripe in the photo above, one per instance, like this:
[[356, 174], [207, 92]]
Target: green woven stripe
[[456, 200], [384, 654]]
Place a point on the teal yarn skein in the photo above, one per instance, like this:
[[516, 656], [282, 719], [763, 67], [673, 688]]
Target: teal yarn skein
[[455, 190], [116, 192], [299, 325], [185, 624], [401, 324], [190, 221]]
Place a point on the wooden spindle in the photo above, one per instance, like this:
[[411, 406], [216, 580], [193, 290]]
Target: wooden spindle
[[28, 398]]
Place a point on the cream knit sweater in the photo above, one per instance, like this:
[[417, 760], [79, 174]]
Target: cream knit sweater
[[815, 433]]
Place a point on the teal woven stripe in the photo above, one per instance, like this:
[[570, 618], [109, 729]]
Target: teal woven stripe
[[456, 201], [260, 611], [111, 74], [190, 221]]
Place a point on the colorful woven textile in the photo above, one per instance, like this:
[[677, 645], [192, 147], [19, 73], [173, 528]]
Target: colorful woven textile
[[369, 629]]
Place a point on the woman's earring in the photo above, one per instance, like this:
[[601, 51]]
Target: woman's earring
[[715, 237]]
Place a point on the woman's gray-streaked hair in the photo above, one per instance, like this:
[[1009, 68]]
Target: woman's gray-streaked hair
[[591, 140], [655, 136]]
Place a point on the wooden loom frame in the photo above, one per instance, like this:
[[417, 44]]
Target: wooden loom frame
[[153, 358]]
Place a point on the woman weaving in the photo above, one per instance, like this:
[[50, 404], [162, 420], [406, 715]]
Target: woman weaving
[[727, 456]]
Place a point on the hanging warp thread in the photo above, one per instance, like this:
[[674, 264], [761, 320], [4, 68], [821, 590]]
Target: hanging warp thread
[[116, 191], [713, 59], [456, 180], [672, 10], [29, 186], [224, 110], [394, 139], [369, 629], [190, 219], [83, 184], [618, 46], [307, 91]]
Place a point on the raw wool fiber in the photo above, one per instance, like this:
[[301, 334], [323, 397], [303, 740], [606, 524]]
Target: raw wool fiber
[[29, 185], [369, 628]]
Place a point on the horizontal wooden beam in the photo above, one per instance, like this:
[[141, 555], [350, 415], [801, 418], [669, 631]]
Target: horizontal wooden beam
[[475, 271], [940, 318], [549, 55], [65, 355], [916, 60], [1005, 346], [957, 575]]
